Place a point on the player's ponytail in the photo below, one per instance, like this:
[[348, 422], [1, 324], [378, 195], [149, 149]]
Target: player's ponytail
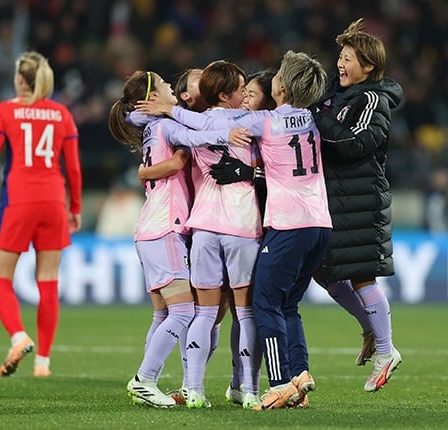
[[124, 132], [37, 73], [137, 87], [44, 83]]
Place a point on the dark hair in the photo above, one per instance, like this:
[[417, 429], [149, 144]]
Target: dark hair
[[219, 77], [135, 88], [369, 49], [181, 87], [264, 80]]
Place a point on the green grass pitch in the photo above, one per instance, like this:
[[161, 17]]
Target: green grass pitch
[[98, 349]]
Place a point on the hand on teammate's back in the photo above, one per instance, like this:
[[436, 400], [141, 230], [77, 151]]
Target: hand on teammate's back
[[230, 170]]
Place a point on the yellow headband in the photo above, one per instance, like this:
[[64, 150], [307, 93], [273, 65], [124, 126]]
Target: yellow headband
[[148, 88]]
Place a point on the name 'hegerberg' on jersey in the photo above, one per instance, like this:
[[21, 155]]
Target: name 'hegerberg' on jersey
[[38, 114]]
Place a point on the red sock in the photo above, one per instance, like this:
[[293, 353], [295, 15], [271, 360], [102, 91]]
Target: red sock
[[10, 308], [47, 315]]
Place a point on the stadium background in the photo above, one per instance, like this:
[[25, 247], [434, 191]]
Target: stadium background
[[94, 45]]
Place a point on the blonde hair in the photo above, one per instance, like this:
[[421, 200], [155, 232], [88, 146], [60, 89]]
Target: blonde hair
[[369, 49], [37, 73], [304, 79]]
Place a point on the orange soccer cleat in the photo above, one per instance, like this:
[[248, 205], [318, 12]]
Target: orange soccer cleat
[[15, 355]]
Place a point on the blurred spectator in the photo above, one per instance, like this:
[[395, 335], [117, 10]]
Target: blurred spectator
[[121, 208], [94, 45], [436, 207]]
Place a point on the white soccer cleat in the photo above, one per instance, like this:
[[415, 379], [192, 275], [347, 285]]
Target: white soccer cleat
[[235, 395], [197, 401], [148, 393], [368, 349], [250, 400], [383, 366]]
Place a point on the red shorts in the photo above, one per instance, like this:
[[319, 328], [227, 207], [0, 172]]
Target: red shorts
[[43, 224]]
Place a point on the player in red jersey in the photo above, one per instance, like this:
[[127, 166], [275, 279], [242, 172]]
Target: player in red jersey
[[35, 131]]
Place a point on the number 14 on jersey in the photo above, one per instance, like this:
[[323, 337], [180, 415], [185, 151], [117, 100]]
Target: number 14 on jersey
[[44, 147]]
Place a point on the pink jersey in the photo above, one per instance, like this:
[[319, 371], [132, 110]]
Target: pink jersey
[[229, 209], [167, 204], [290, 148]]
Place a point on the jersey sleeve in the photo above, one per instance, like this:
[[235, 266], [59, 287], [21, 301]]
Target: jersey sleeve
[[179, 135], [72, 163], [252, 120]]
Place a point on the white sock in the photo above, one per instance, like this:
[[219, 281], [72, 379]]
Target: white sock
[[18, 337], [40, 360]]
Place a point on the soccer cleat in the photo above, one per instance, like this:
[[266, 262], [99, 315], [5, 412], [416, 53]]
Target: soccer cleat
[[15, 355], [250, 400], [298, 401], [383, 366], [276, 397], [197, 401], [148, 393], [279, 397], [235, 395], [368, 349], [180, 395], [41, 371]]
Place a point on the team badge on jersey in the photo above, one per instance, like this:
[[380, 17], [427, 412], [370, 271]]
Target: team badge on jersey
[[342, 113]]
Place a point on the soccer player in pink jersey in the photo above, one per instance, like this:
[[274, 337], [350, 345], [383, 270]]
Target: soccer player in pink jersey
[[297, 218], [161, 231], [188, 96], [37, 132], [225, 245]]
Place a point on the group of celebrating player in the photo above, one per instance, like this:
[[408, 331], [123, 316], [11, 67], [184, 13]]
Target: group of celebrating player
[[243, 207], [267, 271]]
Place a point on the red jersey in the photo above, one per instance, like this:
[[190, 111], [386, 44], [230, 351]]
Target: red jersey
[[35, 136]]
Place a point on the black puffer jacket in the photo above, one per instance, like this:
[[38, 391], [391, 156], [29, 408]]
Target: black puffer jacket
[[354, 126]]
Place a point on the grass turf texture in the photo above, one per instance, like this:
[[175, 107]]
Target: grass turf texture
[[98, 349]]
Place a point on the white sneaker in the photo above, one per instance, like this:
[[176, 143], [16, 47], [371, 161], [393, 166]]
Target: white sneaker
[[367, 351], [148, 393], [383, 366], [250, 400], [235, 395], [197, 401]]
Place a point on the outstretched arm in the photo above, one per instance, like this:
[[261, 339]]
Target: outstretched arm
[[165, 168], [181, 135]]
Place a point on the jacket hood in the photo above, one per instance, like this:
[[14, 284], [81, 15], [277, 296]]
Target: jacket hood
[[388, 86]]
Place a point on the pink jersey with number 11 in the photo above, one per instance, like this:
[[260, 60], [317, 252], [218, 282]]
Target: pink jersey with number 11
[[290, 148]]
